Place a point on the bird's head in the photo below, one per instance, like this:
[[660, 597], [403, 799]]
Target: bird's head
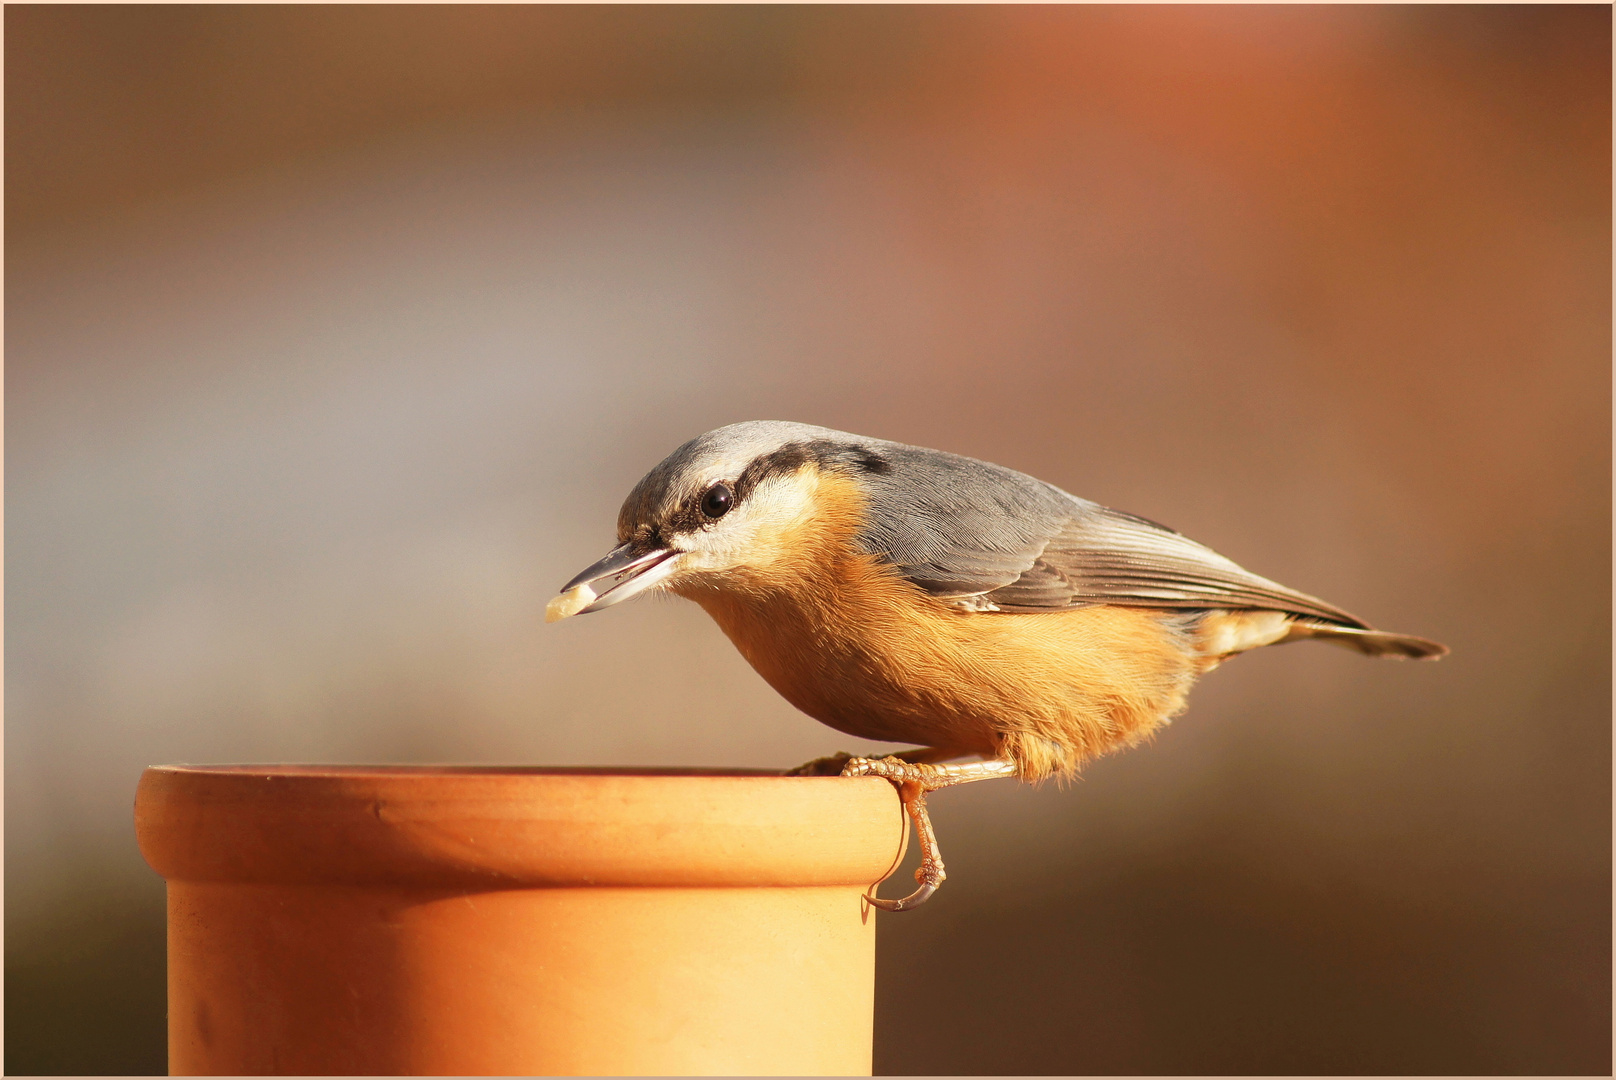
[[732, 509]]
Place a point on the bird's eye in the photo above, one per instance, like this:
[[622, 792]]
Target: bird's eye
[[717, 501]]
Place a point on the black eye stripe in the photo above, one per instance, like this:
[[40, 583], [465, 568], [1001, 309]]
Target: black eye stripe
[[719, 498], [793, 456]]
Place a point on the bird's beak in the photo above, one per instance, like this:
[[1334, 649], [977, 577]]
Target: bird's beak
[[622, 575]]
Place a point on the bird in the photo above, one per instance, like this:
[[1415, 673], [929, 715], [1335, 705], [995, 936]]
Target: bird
[[909, 595]]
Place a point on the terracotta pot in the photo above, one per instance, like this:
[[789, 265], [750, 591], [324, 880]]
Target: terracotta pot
[[396, 920]]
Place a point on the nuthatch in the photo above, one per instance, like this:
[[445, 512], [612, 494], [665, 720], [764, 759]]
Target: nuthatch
[[910, 595]]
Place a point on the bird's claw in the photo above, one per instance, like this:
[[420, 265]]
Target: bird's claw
[[929, 884], [913, 782]]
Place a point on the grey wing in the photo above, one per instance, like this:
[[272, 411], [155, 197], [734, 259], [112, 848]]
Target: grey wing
[[956, 526], [1105, 556], [993, 539]]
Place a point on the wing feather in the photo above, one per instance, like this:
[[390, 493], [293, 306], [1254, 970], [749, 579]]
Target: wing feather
[[995, 539], [1102, 556]]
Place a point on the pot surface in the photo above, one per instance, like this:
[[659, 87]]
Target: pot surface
[[483, 920]]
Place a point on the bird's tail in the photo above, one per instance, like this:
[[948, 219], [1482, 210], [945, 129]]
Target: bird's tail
[[1368, 642]]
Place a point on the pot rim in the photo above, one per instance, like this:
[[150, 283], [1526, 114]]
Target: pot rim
[[483, 827]]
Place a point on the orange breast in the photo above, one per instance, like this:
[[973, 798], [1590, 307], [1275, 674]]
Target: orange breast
[[851, 643]]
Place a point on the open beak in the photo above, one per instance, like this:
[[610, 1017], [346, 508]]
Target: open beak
[[622, 575]]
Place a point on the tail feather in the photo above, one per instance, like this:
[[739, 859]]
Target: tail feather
[[1369, 642]]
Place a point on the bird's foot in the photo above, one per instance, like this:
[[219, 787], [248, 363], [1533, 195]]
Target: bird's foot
[[836, 764], [900, 770], [913, 782]]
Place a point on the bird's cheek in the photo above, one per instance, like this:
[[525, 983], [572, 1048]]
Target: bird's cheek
[[720, 550], [697, 562], [717, 567], [709, 568]]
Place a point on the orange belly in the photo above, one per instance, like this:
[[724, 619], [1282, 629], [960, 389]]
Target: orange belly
[[870, 654]]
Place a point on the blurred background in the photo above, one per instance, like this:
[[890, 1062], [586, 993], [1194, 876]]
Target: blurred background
[[335, 336]]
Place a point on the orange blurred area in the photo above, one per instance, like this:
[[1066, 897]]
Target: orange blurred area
[[335, 336]]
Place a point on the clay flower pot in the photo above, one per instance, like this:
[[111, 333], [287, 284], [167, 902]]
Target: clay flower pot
[[396, 920]]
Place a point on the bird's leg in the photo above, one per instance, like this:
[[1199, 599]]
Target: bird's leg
[[913, 781]]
